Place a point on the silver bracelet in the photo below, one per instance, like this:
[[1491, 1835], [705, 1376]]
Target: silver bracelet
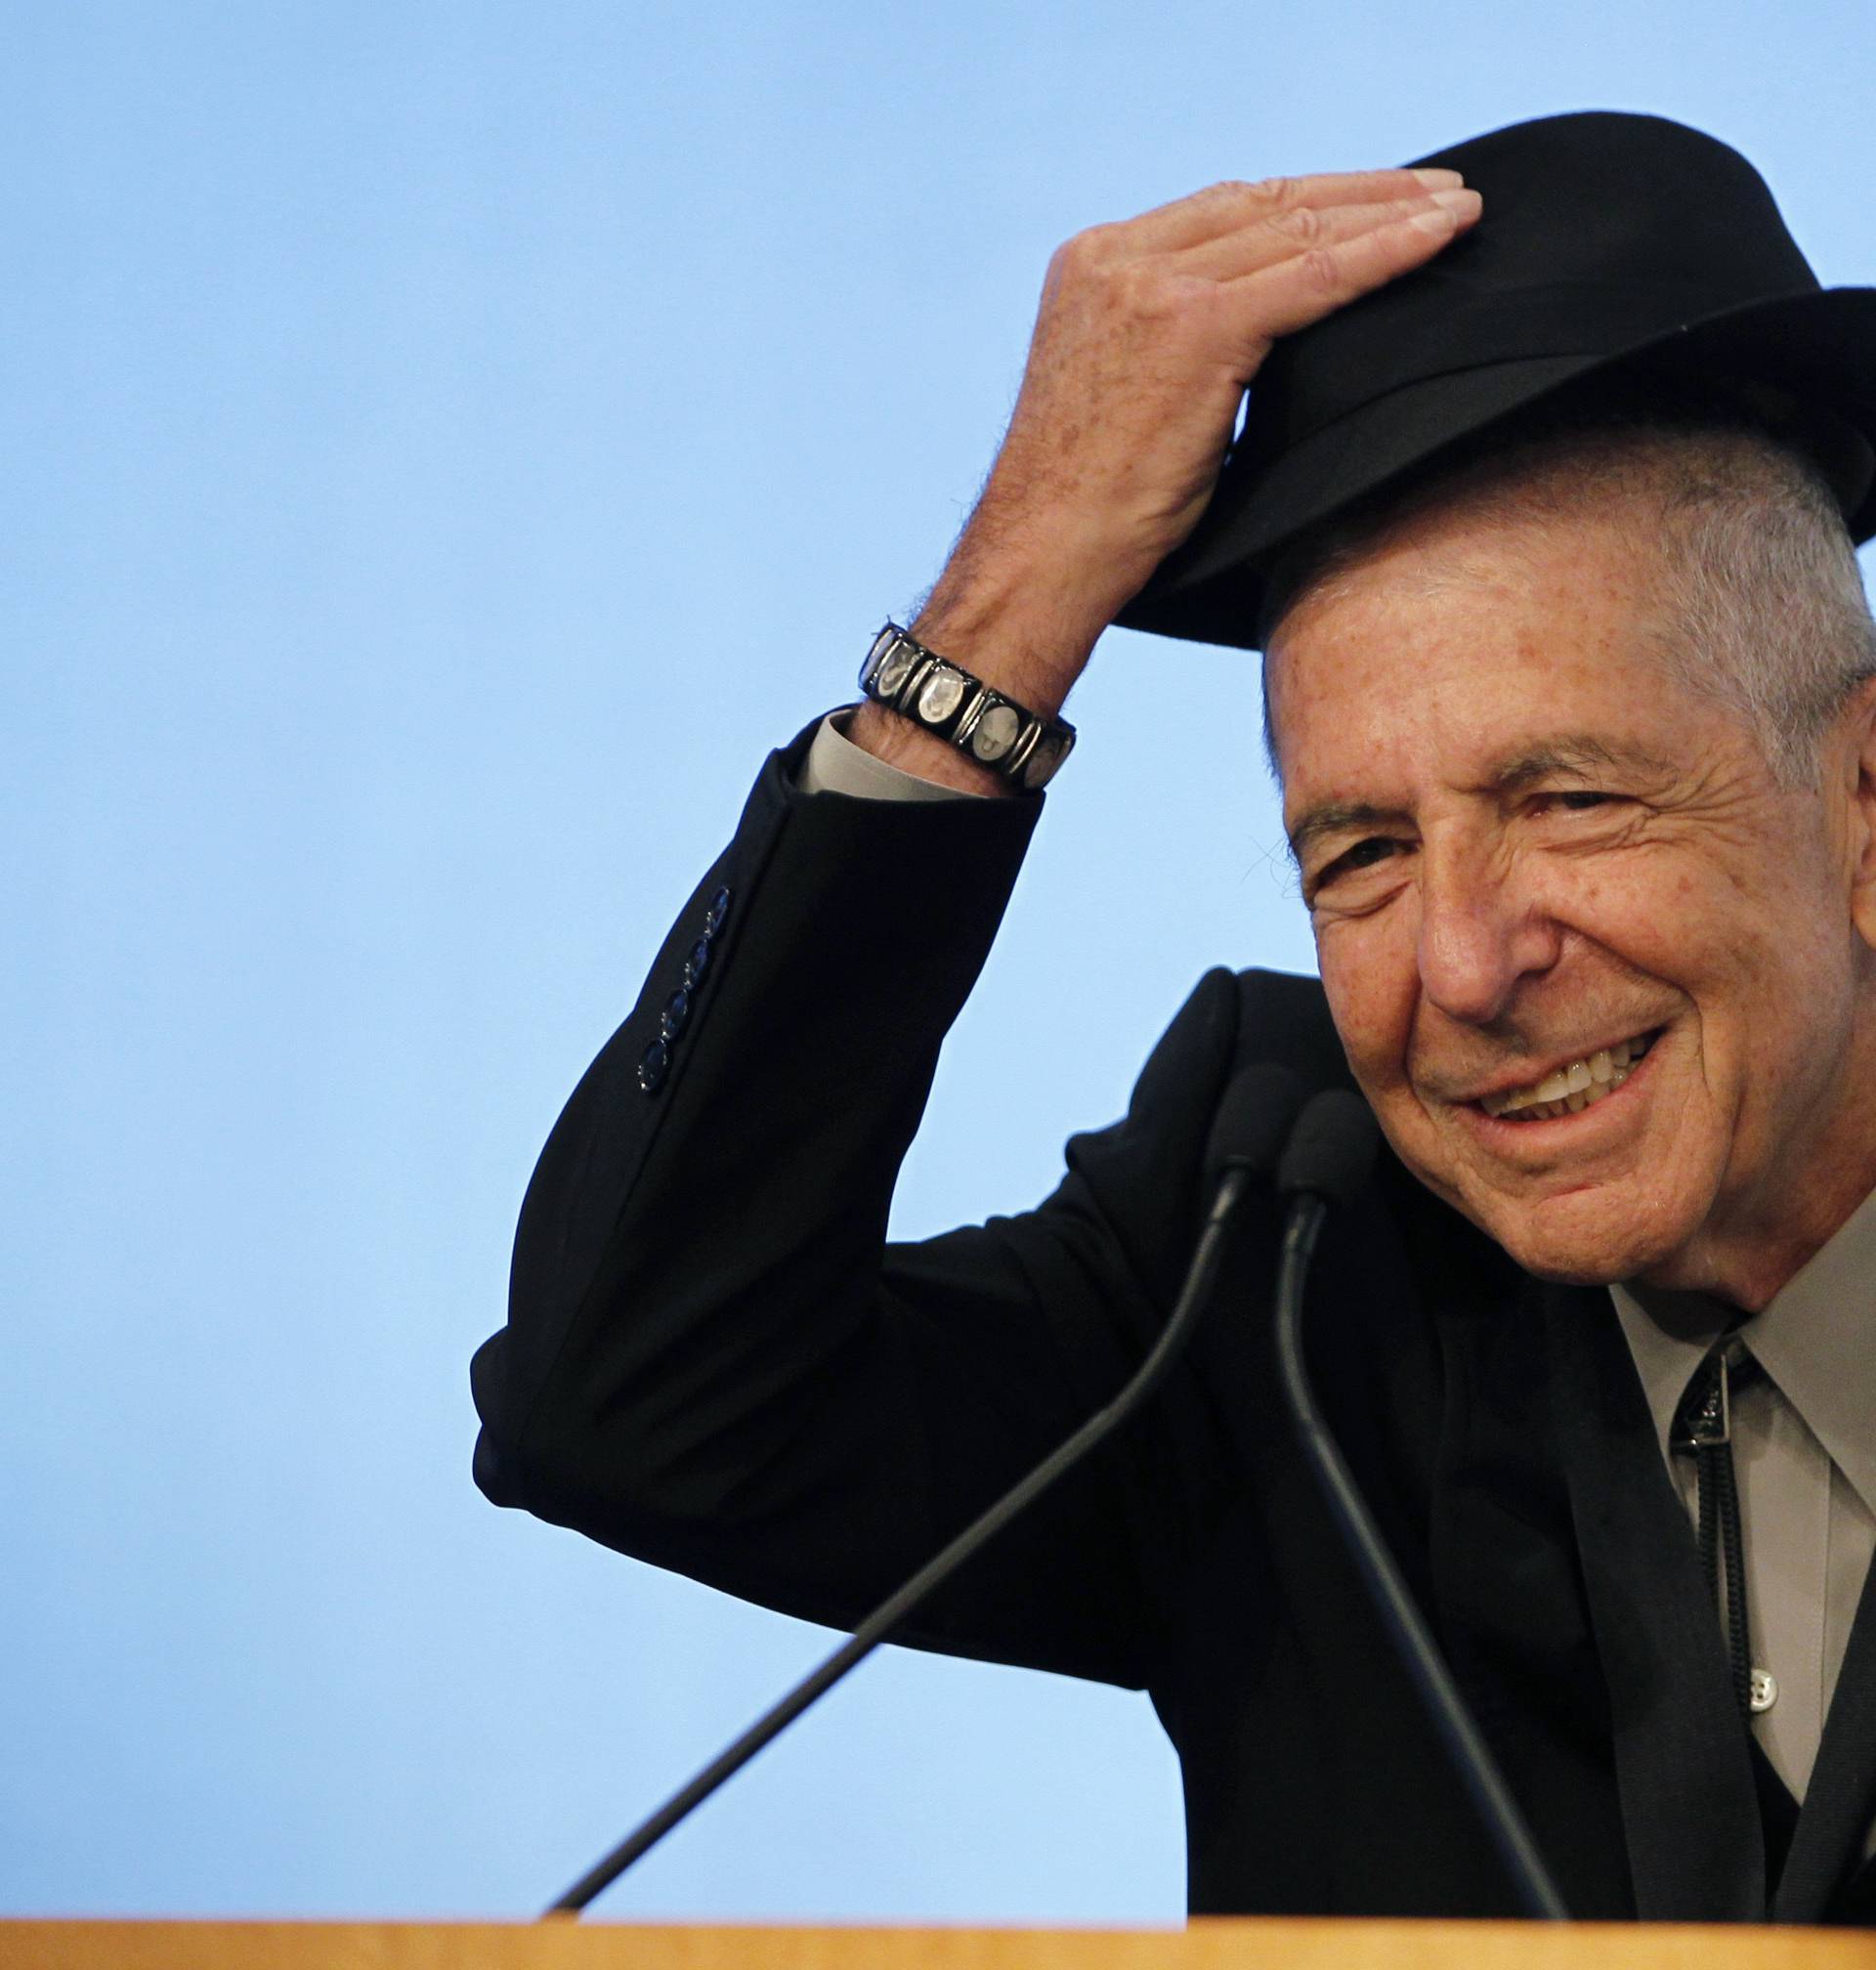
[[943, 696]]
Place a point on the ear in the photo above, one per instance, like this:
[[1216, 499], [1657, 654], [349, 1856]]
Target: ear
[[1857, 762]]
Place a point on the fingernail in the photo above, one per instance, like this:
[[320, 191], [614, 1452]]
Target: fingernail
[[1445, 220], [1430, 175], [1461, 201]]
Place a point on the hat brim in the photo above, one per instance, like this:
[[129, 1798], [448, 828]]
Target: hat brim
[[1819, 344]]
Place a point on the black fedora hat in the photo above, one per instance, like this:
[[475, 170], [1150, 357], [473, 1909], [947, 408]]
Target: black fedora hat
[[1610, 242]]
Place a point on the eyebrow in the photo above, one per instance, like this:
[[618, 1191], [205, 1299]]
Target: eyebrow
[[1568, 752]]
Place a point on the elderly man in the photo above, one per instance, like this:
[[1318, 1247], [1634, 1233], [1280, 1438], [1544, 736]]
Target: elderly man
[[1548, 536]]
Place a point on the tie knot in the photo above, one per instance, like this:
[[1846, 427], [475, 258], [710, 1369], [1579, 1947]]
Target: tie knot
[[1704, 1418]]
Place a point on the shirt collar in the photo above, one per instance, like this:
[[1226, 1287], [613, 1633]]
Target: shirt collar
[[1815, 1339]]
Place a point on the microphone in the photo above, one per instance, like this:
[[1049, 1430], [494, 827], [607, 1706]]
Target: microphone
[[1248, 1134], [1325, 1163]]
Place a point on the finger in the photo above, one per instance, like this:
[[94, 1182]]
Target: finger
[[1300, 227], [1279, 300], [1231, 206]]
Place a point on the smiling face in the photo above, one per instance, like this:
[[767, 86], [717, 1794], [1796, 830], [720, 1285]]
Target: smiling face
[[1524, 846]]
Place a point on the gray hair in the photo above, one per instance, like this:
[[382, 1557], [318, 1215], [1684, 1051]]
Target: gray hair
[[1760, 603]]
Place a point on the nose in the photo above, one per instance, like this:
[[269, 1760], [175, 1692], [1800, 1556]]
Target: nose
[[1481, 932]]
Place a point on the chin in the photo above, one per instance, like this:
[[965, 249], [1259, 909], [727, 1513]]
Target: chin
[[1587, 1240]]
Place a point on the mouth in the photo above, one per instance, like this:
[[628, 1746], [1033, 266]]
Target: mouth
[[1572, 1086]]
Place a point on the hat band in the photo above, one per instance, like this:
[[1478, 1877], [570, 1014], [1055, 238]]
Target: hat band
[[1387, 349]]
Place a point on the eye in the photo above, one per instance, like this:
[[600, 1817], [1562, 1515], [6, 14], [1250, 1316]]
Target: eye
[[1573, 800], [1566, 800], [1365, 855]]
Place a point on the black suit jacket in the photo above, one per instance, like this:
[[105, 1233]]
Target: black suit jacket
[[715, 1361]]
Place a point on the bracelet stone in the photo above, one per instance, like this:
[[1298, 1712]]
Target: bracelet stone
[[943, 696]]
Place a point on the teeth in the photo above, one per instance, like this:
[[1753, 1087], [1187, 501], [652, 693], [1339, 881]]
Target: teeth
[[1569, 1090]]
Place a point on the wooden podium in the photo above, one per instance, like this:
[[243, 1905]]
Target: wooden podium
[[1203, 1946]]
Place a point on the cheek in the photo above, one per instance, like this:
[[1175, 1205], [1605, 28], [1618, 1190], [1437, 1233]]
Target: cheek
[[1755, 957], [1750, 948], [1368, 974], [1782, 1023]]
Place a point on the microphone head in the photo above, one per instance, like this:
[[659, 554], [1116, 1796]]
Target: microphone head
[[1253, 1120], [1333, 1148]]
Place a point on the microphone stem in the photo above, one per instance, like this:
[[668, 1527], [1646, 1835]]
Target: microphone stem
[[890, 1612], [1470, 1756]]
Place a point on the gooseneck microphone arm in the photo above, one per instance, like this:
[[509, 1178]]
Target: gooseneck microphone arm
[[1326, 1160], [1253, 1123]]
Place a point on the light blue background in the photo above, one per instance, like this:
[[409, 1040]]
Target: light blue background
[[444, 448]]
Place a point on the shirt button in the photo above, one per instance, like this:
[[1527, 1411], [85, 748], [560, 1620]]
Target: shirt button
[[652, 1065], [1764, 1690]]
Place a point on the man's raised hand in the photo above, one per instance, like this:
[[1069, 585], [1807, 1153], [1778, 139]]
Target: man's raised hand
[[1148, 333]]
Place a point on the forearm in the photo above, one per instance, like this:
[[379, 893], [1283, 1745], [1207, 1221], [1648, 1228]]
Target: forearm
[[696, 1267], [716, 1361]]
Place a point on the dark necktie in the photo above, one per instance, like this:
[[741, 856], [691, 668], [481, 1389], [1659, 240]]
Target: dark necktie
[[1703, 1430]]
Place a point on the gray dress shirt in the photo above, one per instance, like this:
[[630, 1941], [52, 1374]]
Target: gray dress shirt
[[1803, 1437], [1805, 1453]]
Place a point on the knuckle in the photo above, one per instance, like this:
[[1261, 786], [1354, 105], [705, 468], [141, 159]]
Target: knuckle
[[1085, 249], [1301, 223], [1320, 271], [1275, 193]]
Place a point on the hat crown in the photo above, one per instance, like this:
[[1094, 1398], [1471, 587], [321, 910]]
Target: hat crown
[[1603, 194], [1609, 239], [1599, 227]]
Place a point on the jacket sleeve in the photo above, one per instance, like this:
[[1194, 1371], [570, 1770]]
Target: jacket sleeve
[[715, 1360]]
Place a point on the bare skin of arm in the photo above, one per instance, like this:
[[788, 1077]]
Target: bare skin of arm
[[1148, 333]]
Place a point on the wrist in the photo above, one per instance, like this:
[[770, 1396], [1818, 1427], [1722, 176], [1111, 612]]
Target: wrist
[[941, 699], [1014, 624], [896, 740]]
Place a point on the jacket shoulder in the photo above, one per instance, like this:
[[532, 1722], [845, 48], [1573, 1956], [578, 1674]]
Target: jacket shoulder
[[1284, 1017]]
